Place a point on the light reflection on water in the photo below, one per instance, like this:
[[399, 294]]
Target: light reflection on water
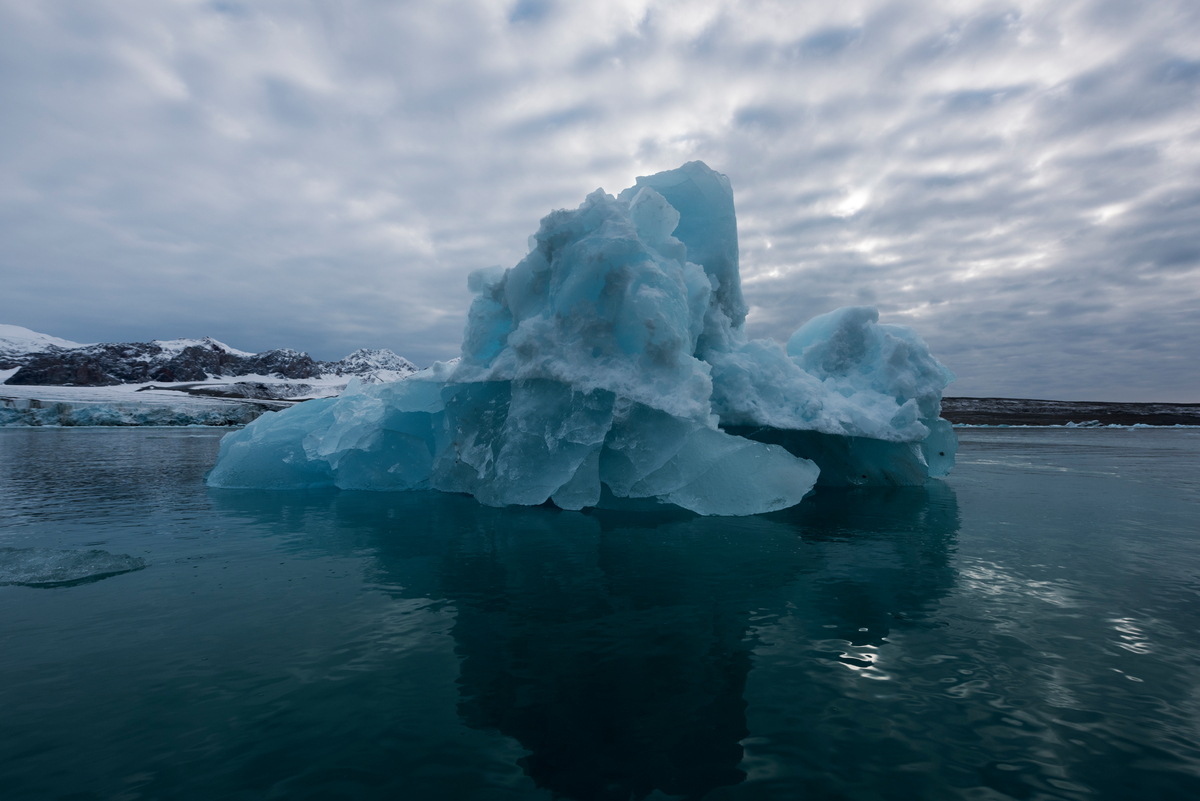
[[1025, 629]]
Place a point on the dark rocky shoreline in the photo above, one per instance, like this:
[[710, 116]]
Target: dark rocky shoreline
[[1029, 412], [111, 364]]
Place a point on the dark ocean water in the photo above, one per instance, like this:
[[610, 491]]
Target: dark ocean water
[[1029, 629]]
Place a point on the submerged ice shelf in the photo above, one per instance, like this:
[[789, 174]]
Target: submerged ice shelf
[[610, 367]]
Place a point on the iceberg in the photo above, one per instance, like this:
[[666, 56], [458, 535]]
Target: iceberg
[[610, 367], [26, 412]]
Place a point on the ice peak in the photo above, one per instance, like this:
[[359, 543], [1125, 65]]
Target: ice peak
[[707, 226]]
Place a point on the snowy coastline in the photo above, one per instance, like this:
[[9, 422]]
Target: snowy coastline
[[164, 405], [1034, 413], [216, 402], [123, 405], [1089, 426], [47, 381], [201, 403]]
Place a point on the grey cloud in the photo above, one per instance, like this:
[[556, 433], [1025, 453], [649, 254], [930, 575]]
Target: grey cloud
[[971, 100], [555, 120], [969, 35], [530, 11], [1017, 184], [827, 42]]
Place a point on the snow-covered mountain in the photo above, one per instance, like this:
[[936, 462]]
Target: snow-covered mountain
[[378, 365], [33, 359], [177, 346], [17, 344]]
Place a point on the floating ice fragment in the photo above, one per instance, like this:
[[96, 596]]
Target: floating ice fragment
[[46, 567], [610, 364]]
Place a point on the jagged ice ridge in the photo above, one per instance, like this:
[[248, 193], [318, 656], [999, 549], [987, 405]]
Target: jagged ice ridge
[[610, 367]]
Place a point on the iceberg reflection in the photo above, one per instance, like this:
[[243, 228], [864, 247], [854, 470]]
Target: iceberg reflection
[[615, 647]]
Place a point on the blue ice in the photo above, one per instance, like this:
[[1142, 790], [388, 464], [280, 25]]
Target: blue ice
[[610, 366]]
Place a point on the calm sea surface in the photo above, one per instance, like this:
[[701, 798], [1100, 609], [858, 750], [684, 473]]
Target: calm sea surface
[[1029, 628]]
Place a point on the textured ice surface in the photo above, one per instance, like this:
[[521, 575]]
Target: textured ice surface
[[510, 442], [47, 567], [610, 363], [119, 406], [126, 414]]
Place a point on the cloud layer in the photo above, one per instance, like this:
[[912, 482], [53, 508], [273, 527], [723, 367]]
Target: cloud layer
[[1019, 181]]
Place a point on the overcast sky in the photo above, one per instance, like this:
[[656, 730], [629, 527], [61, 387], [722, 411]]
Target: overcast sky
[[1018, 181]]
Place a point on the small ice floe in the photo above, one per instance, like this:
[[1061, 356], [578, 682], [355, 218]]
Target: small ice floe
[[47, 567]]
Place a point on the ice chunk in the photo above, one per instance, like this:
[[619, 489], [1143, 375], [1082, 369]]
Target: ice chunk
[[849, 348], [848, 461], [707, 227], [859, 398], [378, 437], [650, 454], [518, 442], [610, 366], [715, 473], [269, 453], [594, 306], [939, 448], [583, 489], [47, 567]]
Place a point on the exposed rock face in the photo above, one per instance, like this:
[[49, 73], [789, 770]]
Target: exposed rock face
[[255, 390], [1027, 412], [180, 360], [366, 360], [282, 362]]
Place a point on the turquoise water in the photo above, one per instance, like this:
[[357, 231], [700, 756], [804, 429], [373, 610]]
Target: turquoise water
[[1029, 628]]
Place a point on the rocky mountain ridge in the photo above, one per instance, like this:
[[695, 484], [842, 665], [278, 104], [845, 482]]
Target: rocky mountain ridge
[[180, 360], [1078, 414]]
